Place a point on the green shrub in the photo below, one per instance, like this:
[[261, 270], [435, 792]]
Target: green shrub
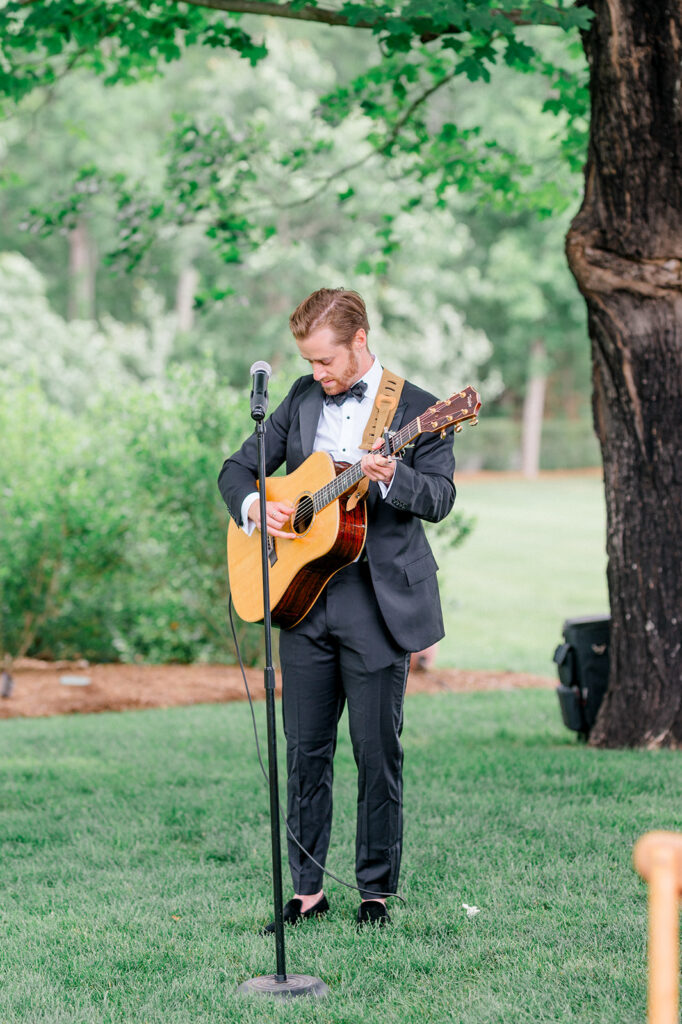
[[112, 531], [61, 529]]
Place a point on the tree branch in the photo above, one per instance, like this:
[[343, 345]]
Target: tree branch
[[412, 107], [275, 10], [326, 16], [397, 128]]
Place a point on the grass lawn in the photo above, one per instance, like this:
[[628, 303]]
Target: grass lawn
[[134, 871], [536, 557]]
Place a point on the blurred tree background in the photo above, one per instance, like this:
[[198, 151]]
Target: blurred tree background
[[153, 240]]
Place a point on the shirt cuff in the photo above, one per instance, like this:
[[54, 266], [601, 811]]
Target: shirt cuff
[[248, 525], [385, 488]]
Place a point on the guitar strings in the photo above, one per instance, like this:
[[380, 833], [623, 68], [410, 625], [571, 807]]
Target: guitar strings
[[282, 812], [305, 510], [335, 488]]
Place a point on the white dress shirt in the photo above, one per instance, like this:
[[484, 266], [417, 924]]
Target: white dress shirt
[[339, 432]]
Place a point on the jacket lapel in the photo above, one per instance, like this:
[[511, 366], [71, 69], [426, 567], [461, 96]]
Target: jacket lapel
[[308, 417]]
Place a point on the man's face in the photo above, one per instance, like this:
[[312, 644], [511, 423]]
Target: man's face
[[335, 366]]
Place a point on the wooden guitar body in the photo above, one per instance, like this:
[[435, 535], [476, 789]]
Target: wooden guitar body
[[301, 567]]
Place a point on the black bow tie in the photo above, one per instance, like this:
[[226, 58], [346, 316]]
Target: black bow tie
[[357, 391]]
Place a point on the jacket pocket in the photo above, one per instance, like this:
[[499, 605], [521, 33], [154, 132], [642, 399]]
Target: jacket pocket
[[420, 569]]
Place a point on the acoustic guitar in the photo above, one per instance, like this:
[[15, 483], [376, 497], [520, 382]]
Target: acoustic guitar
[[326, 535]]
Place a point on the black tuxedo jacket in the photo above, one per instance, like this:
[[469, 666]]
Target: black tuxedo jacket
[[402, 566]]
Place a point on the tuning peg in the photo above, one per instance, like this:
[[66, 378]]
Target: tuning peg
[[474, 421], [458, 428]]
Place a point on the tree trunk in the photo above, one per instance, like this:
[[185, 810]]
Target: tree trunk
[[81, 274], [185, 293], [625, 251], [533, 410]]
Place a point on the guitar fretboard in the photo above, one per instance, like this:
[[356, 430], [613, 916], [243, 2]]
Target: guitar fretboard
[[346, 480]]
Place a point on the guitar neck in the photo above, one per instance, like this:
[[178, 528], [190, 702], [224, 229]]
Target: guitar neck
[[347, 480]]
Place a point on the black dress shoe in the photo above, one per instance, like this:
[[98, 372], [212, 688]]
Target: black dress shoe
[[373, 912], [292, 913]]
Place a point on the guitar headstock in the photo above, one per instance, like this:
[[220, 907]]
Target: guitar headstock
[[454, 410]]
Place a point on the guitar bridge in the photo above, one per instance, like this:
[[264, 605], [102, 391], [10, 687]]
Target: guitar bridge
[[272, 551]]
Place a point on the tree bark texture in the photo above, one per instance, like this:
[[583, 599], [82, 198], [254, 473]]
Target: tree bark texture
[[625, 250]]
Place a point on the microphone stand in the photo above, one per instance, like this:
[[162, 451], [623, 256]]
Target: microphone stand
[[278, 984]]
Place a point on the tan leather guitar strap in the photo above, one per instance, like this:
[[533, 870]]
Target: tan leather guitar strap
[[383, 411]]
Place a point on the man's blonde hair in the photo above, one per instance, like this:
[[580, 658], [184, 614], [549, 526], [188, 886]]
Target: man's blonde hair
[[344, 311]]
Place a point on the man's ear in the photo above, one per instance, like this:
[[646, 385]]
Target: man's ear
[[360, 338]]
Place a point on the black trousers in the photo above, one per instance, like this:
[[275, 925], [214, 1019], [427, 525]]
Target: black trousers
[[341, 653]]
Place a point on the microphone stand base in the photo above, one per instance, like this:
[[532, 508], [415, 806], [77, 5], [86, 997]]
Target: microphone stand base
[[295, 985]]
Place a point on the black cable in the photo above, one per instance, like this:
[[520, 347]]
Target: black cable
[[282, 812]]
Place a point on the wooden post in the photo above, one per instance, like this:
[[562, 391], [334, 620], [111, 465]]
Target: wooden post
[[658, 859]]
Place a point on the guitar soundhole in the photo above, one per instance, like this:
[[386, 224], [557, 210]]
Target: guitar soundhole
[[304, 514]]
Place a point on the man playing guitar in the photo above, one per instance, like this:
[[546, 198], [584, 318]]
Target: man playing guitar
[[352, 647]]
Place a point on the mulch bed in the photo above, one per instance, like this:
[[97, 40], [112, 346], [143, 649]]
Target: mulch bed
[[39, 690]]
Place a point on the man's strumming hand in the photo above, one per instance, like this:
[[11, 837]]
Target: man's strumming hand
[[278, 513]]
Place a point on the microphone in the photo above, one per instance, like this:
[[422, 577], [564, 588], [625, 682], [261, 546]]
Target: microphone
[[260, 374]]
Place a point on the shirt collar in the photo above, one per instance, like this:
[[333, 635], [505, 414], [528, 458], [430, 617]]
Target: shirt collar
[[373, 378]]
